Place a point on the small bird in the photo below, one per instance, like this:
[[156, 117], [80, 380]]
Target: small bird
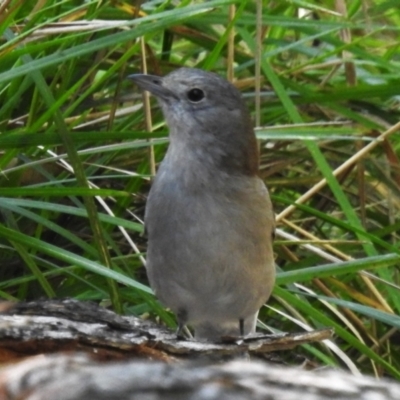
[[209, 217]]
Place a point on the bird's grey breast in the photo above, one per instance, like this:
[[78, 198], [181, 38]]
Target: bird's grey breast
[[202, 239]]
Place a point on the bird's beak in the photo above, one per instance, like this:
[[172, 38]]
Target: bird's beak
[[153, 84]]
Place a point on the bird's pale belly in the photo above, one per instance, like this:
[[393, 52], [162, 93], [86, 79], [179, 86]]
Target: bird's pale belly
[[216, 267]]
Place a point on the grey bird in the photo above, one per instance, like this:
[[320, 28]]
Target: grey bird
[[209, 217]]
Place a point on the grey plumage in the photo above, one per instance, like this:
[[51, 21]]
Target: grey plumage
[[209, 218]]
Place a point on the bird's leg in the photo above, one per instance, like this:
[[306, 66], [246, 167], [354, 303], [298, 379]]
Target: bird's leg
[[241, 326], [182, 318]]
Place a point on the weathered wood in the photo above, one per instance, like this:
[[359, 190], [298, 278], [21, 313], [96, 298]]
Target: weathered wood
[[76, 377], [90, 336], [70, 325]]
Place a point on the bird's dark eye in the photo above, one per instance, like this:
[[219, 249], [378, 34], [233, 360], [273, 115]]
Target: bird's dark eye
[[195, 95]]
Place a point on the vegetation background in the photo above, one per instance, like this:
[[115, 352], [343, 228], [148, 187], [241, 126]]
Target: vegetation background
[[79, 144]]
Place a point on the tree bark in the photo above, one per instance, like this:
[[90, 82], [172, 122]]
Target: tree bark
[[79, 351]]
